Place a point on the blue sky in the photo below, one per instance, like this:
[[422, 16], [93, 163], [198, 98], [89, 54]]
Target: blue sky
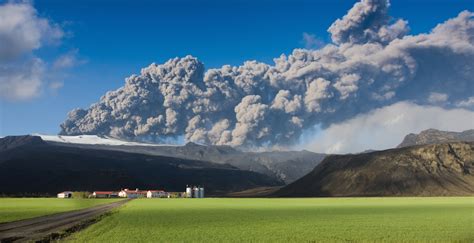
[[114, 39]]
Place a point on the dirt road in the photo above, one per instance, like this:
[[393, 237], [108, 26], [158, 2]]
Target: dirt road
[[46, 227]]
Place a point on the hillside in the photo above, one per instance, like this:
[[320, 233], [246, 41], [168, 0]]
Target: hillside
[[287, 166], [433, 136], [16, 141], [284, 165], [426, 170], [42, 168]]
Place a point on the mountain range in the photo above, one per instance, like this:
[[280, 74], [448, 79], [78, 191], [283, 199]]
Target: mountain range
[[431, 163], [286, 166], [31, 166]]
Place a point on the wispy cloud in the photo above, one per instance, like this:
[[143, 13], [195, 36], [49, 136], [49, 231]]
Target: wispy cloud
[[68, 60], [310, 41], [386, 127], [468, 103], [437, 98]]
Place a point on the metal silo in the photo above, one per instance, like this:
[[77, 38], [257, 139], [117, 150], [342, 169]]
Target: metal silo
[[201, 192], [195, 192], [189, 191]]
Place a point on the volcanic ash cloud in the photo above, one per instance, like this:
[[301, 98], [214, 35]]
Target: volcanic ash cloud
[[371, 63]]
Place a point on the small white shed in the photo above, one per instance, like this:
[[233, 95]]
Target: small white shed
[[66, 194]]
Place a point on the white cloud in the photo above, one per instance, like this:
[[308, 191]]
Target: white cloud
[[469, 102], [68, 60], [22, 32], [436, 98], [386, 127], [310, 41], [56, 85], [22, 80]]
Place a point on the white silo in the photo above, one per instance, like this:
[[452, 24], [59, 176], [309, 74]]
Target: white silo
[[201, 192], [189, 191], [195, 192]]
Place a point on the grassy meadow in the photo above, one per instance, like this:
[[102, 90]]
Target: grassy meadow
[[12, 209], [286, 220]]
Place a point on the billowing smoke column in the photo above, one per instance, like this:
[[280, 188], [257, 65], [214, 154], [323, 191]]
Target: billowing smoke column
[[371, 63]]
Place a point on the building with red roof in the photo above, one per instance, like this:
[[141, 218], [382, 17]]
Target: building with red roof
[[104, 194]]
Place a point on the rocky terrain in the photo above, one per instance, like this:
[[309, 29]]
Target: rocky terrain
[[433, 136], [424, 170]]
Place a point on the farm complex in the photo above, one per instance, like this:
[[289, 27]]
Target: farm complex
[[190, 192]]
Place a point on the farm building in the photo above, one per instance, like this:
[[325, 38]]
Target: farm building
[[156, 193], [104, 194], [66, 194], [132, 193], [176, 194], [126, 193]]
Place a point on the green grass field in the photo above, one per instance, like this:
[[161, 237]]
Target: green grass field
[[21, 208], [286, 220]]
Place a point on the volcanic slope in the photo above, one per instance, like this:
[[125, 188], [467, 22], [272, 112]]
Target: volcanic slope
[[287, 166], [425, 170]]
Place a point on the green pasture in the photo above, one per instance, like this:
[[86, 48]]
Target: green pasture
[[21, 208], [287, 220]]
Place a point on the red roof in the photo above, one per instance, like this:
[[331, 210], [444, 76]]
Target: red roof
[[136, 192], [140, 191]]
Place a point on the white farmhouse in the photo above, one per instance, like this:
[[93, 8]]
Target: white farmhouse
[[104, 194], [156, 193], [66, 194], [132, 193]]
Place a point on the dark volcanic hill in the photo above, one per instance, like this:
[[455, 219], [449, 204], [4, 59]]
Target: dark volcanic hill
[[10, 142], [433, 136], [33, 166], [287, 166], [425, 170]]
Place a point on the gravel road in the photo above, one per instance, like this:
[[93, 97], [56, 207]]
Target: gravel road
[[45, 227]]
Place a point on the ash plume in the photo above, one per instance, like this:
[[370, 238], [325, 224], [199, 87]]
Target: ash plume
[[371, 63]]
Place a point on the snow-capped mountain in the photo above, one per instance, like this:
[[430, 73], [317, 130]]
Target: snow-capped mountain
[[93, 139]]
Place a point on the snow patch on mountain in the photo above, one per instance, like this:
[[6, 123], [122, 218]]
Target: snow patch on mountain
[[93, 139]]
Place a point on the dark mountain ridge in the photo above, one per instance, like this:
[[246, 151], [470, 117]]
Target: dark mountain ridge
[[287, 166], [433, 136], [10, 142], [425, 170], [33, 166]]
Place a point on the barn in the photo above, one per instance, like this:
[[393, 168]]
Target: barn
[[104, 194]]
